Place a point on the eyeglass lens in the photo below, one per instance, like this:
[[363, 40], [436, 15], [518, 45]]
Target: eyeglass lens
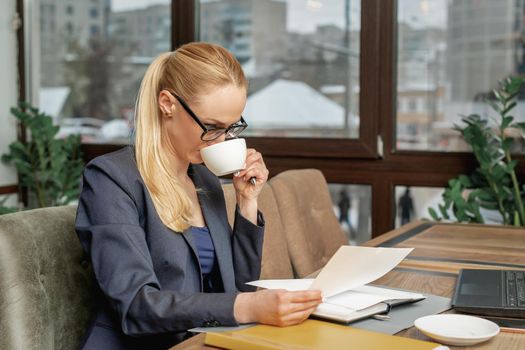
[[231, 132]]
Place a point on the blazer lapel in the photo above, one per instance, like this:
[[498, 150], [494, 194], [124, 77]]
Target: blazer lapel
[[188, 237], [189, 240], [220, 234]]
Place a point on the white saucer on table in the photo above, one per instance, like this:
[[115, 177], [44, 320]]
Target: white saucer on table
[[455, 329]]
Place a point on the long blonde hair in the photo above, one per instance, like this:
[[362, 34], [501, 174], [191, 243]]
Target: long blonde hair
[[191, 70]]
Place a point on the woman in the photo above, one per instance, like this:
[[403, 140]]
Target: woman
[[153, 220]]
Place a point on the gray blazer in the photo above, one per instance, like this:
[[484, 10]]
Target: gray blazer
[[149, 276]]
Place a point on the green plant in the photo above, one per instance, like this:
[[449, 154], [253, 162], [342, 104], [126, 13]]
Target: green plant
[[48, 167], [493, 184]]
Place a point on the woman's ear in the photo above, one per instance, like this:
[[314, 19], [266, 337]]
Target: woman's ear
[[166, 103]]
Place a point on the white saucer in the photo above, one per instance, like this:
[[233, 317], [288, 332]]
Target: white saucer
[[454, 329]]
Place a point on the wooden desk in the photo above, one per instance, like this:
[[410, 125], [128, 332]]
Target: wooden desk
[[440, 251]]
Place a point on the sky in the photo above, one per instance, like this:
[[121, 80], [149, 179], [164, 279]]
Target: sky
[[304, 15]]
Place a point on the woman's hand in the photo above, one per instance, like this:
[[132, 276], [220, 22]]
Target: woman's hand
[[276, 307], [255, 168], [245, 191]]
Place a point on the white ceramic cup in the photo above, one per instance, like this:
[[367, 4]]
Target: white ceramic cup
[[225, 157]]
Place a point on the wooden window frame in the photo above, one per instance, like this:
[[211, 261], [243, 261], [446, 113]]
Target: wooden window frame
[[21, 132]]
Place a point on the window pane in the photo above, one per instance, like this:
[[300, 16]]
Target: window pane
[[93, 55], [414, 205], [352, 206], [8, 203], [451, 54], [301, 58]]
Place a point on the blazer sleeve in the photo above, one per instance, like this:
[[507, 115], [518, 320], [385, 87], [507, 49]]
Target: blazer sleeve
[[247, 244], [108, 227]]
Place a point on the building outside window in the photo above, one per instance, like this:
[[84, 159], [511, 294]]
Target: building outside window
[[452, 53], [302, 61], [90, 70]]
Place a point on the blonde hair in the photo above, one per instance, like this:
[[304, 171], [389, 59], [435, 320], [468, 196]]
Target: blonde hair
[[189, 71]]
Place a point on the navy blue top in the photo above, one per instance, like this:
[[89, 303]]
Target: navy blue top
[[211, 277]]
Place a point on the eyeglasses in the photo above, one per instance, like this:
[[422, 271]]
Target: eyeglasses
[[211, 133]]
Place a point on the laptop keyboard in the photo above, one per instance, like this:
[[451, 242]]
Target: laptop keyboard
[[515, 288]]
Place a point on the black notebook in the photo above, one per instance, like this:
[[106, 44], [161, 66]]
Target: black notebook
[[491, 292]]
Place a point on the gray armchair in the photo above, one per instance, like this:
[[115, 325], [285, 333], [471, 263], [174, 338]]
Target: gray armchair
[[46, 286]]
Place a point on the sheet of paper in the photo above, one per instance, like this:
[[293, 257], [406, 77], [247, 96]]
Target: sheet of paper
[[288, 284], [362, 297], [352, 267], [357, 299]]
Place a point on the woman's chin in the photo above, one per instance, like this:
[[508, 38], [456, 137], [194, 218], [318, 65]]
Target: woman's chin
[[196, 158]]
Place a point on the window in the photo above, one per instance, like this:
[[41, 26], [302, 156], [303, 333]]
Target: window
[[352, 208], [412, 105], [453, 53], [10, 201], [402, 50], [302, 61], [413, 202], [91, 68], [94, 31], [69, 29]]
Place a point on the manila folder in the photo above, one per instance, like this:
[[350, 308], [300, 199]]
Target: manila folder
[[312, 334]]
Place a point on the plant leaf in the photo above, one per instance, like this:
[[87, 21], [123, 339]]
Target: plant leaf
[[504, 113], [433, 214]]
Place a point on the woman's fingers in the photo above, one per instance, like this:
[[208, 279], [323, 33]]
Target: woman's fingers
[[299, 297], [254, 168], [301, 307], [282, 308], [305, 295], [296, 317], [258, 172], [253, 159], [303, 301]]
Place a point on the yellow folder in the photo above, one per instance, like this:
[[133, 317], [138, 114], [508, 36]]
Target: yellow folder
[[312, 334]]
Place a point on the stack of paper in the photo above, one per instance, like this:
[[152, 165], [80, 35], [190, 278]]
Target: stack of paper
[[343, 282]]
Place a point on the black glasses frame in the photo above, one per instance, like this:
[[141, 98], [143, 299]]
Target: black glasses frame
[[211, 131]]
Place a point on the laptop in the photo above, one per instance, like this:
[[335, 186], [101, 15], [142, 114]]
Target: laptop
[[490, 292]]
